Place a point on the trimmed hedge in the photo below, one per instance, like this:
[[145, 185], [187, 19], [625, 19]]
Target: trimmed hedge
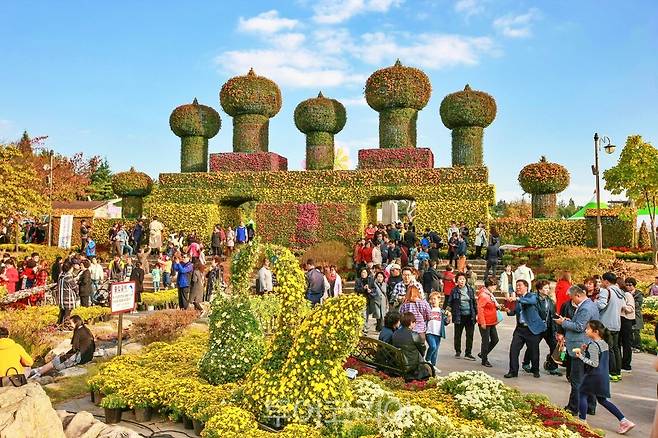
[[617, 231], [467, 113], [441, 195], [396, 158], [255, 161], [544, 178], [543, 233]]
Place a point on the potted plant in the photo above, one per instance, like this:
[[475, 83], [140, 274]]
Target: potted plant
[[143, 412], [113, 404]]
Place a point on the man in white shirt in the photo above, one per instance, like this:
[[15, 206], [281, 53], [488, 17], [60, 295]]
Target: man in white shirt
[[523, 272]]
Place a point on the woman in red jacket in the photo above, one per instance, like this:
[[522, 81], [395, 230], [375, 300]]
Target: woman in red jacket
[[487, 319], [562, 289], [366, 253]]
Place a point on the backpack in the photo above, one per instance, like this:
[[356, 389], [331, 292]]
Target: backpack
[[90, 250]]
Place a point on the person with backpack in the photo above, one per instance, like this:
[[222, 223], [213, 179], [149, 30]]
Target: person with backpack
[[90, 249], [610, 302]]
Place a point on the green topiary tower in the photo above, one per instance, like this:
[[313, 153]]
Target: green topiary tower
[[251, 100], [467, 113], [320, 119], [543, 180], [194, 124], [132, 186], [398, 93]]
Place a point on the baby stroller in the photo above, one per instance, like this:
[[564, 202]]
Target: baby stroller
[[101, 296]]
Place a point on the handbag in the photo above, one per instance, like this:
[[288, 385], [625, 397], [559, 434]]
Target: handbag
[[558, 353], [15, 379], [499, 316]]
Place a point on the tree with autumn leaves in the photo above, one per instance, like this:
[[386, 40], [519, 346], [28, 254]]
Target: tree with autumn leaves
[[74, 177], [635, 174]]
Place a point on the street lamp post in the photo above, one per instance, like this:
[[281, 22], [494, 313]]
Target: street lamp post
[[609, 148], [50, 196]]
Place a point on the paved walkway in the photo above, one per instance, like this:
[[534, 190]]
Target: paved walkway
[[635, 395]]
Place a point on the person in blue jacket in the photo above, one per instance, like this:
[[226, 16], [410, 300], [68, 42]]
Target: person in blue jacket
[[241, 233], [529, 328], [183, 268]]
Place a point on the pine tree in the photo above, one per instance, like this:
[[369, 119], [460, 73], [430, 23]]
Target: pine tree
[[101, 182]]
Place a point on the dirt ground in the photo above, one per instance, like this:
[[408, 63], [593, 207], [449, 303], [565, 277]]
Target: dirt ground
[[642, 272]]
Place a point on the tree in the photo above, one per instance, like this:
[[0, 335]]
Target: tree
[[566, 210], [71, 175], [101, 182], [19, 187], [498, 210], [635, 174]]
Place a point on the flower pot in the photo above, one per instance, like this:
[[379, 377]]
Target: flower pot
[[143, 414], [150, 308], [98, 397], [198, 426], [112, 416], [187, 422]]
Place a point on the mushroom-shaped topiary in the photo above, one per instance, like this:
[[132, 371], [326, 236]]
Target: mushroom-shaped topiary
[[467, 113], [398, 93], [194, 124], [543, 180], [132, 186], [251, 100], [320, 119]]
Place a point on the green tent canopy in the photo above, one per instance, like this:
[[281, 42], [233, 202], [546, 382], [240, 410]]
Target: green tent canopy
[[580, 214]]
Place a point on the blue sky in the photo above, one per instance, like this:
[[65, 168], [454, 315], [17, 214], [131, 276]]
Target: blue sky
[[103, 79]]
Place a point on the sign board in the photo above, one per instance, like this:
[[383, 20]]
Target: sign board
[[122, 297], [65, 231]]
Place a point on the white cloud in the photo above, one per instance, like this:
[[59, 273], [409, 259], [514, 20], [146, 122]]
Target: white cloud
[[353, 101], [469, 7], [517, 26], [338, 11], [266, 22], [432, 51]]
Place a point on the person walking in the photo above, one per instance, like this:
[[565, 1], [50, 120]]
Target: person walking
[[265, 278], [314, 283], [230, 241], [84, 284], [507, 282], [493, 254], [480, 239], [436, 329], [67, 292], [137, 276], [487, 319], [596, 382], [198, 285], [377, 302], [639, 319], [529, 327], [216, 241], [627, 324], [610, 302], [574, 337], [546, 308], [523, 272], [414, 303], [464, 313]]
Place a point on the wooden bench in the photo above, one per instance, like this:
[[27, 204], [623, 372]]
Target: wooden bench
[[384, 357]]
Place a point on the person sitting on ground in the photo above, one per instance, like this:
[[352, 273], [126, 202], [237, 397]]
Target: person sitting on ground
[[13, 357], [81, 352], [413, 348], [391, 324]]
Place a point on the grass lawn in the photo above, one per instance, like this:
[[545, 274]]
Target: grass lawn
[[68, 388]]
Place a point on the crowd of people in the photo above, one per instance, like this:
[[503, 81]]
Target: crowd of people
[[591, 329]]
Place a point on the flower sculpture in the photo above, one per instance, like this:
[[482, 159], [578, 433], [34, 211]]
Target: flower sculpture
[[320, 119], [543, 180], [467, 113], [194, 124], [132, 186], [398, 93], [251, 100]]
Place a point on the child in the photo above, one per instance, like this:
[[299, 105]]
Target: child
[[596, 382], [436, 329], [155, 273]]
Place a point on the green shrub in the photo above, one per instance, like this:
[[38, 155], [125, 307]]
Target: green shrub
[[581, 262]]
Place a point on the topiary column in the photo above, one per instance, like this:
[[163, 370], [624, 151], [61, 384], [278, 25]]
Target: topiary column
[[320, 119], [467, 113], [132, 186], [194, 124], [398, 93], [251, 100], [544, 180]]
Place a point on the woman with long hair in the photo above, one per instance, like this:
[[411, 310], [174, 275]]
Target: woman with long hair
[[415, 303]]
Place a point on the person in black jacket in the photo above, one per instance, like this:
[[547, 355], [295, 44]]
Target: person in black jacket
[[464, 312], [81, 352], [431, 279], [137, 275], [84, 284], [412, 346]]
